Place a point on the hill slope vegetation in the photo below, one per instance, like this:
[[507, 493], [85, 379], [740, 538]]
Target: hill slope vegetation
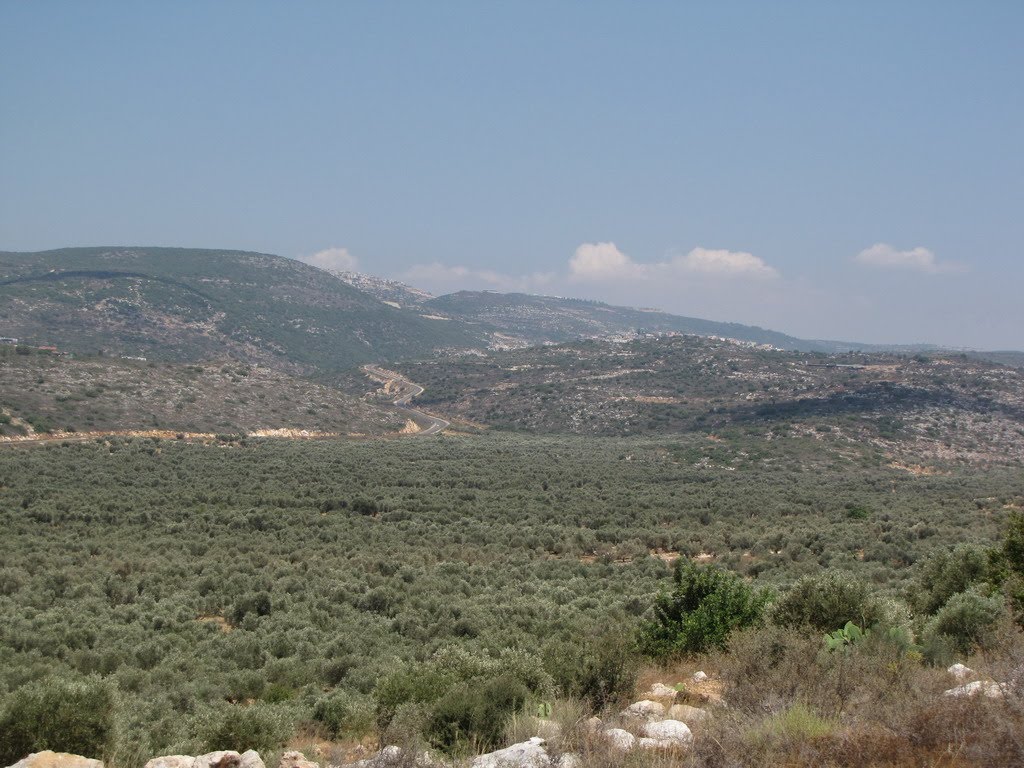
[[184, 304], [941, 408], [43, 394]]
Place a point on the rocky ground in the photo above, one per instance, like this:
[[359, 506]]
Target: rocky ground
[[659, 729]]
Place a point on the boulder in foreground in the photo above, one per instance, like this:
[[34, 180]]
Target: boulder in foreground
[[526, 754], [50, 759]]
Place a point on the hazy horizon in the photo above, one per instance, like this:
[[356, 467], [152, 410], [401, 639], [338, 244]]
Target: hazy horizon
[[843, 173]]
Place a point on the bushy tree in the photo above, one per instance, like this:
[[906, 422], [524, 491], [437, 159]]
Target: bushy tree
[[966, 619], [237, 727], [1007, 564], [704, 605], [473, 715], [947, 573], [597, 665], [826, 603], [466, 697], [62, 715]]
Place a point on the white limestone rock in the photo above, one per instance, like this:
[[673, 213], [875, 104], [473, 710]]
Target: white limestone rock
[[960, 671], [295, 760], [661, 691], [645, 710], [620, 739], [670, 732], [979, 687], [526, 754], [687, 714], [47, 758], [172, 761], [224, 758]]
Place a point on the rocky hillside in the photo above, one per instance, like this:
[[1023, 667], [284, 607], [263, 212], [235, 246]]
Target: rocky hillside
[[181, 304], [535, 320], [943, 407], [391, 292], [42, 393], [189, 304]]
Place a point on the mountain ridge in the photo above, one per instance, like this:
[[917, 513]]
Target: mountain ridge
[[187, 304]]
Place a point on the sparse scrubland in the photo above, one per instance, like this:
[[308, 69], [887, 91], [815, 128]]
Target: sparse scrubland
[[43, 394], [935, 408], [441, 594]]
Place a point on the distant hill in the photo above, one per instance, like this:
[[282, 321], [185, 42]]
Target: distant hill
[[41, 393], [540, 319], [390, 292], [185, 304], [1010, 358], [938, 406], [181, 304]]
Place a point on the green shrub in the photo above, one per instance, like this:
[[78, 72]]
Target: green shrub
[[411, 684], [62, 715], [827, 603], [342, 713], [1006, 564], [600, 666], [464, 697], [947, 573], [237, 727], [474, 715], [798, 723], [966, 619], [703, 607]]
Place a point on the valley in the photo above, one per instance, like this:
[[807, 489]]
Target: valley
[[208, 530]]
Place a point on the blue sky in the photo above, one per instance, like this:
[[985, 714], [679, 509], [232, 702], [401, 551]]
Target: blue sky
[[833, 170]]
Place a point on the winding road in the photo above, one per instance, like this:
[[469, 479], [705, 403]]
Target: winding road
[[429, 425]]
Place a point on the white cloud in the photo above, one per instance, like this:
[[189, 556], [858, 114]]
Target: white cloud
[[444, 277], [722, 262], [605, 262], [599, 264], [917, 259], [333, 258]]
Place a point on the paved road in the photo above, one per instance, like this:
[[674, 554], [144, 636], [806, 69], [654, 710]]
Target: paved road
[[429, 425]]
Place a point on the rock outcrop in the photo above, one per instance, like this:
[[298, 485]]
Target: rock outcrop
[[50, 759], [527, 754], [172, 761], [295, 760], [960, 672], [225, 758], [661, 691], [686, 713], [620, 739], [645, 710], [979, 687], [669, 733]]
